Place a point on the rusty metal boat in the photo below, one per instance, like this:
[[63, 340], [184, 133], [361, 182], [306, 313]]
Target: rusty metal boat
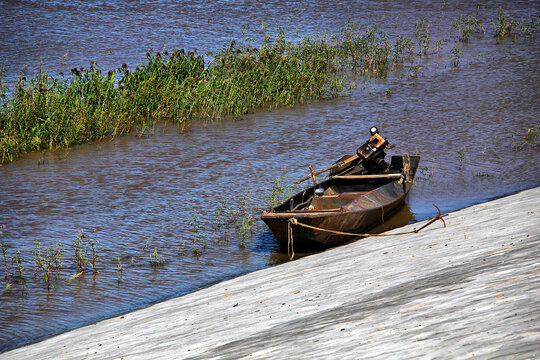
[[361, 191]]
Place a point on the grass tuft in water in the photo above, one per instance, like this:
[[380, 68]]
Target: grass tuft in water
[[529, 139], [421, 32], [455, 56], [196, 241], [79, 253], [506, 25], [461, 157], [280, 192], [3, 246], [119, 270], [18, 262], [467, 25], [156, 259]]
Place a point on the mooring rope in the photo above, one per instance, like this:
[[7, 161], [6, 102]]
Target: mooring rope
[[294, 221], [290, 247]]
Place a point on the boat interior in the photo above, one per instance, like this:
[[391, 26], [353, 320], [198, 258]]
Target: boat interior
[[331, 195], [338, 191]]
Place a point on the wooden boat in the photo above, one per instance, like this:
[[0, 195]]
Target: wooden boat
[[343, 203]]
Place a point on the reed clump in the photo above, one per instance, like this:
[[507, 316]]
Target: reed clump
[[89, 105]]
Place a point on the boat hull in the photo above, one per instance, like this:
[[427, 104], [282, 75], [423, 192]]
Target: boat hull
[[365, 210]]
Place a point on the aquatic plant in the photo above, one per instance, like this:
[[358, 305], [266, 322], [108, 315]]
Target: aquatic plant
[[21, 279], [119, 271], [421, 32], [85, 252], [18, 262], [280, 192], [234, 220], [527, 29], [531, 136], [222, 213], [119, 265], [54, 256], [37, 257], [93, 248], [414, 71], [455, 56], [529, 139], [47, 273], [507, 25], [461, 157], [89, 105], [181, 248], [48, 262], [246, 229], [438, 46], [156, 259], [403, 47], [467, 25], [426, 171], [79, 252], [483, 173], [3, 246], [196, 241]]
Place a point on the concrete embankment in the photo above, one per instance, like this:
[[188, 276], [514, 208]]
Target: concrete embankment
[[471, 289]]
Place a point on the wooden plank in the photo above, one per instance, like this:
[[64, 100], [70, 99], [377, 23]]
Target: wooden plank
[[468, 290]]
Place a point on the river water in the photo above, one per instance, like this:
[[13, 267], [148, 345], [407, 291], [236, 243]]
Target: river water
[[135, 195]]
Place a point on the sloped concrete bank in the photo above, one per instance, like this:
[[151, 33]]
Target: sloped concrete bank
[[469, 290]]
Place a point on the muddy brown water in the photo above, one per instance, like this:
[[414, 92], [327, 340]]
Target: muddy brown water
[[131, 191]]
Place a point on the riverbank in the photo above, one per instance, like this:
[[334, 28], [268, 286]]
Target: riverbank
[[471, 288]]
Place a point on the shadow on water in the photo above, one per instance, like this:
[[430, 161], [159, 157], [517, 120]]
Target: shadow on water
[[400, 218]]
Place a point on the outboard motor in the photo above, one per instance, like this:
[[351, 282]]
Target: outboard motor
[[369, 158], [372, 152]]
